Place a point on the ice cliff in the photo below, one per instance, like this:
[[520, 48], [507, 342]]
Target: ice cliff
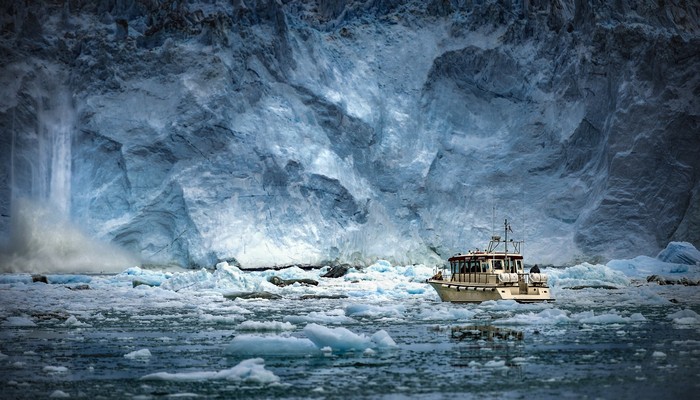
[[292, 132]]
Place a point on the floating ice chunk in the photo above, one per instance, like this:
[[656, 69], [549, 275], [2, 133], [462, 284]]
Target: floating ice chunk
[[253, 345], [3, 356], [22, 321], [658, 354], [342, 339], [441, 312], [73, 321], [367, 310], [589, 317], [382, 339], [251, 370], [51, 369], [680, 253], [265, 326], [587, 275], [67, 278], [685, 317], [138, 354], [59, 394], [637, 317], [225, 277], [12, 279], [495, 364], [335, 317], [550, 316]]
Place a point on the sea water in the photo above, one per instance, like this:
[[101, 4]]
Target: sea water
[[379, 332]]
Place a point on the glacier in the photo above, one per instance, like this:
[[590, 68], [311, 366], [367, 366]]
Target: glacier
[[273, 133]]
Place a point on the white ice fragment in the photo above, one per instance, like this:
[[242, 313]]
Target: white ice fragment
[[254, 345], [495, 364], [382, 339], [342, 339], [685, 317], [138, 354], [22, 321], [250, 370], [73, 321], [637, 317], [50, 369], [658, 354], [59, 394], [265, 326]]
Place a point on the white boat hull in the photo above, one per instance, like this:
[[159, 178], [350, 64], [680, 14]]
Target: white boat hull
[[463, 292]]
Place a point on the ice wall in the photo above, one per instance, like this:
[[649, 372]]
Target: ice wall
[[271, 133]]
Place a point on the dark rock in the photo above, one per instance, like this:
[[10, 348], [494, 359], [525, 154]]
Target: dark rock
[[122, 32], [79, 287], [137, 282], [322, 296], [276, 280], [666, 281], [336, 271], [606, 287], [39, 278], [253, 295]]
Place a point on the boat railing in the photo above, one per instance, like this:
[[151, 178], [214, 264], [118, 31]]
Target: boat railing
[[501, 278]]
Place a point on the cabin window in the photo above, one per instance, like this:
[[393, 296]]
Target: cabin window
[[497, 264], [520, 265], [484, 266]]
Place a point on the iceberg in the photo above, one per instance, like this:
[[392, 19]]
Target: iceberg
[[248, 371]]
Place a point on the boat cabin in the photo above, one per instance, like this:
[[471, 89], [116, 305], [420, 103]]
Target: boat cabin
[[486, 266]]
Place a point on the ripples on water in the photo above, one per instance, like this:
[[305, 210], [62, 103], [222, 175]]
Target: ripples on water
[[590, 343]]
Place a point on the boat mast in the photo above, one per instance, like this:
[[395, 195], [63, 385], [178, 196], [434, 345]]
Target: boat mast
[[505, 225]]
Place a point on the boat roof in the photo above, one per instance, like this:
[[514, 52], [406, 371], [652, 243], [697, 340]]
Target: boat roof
[[482, 255]]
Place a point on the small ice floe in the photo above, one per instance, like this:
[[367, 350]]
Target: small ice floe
[[73, 321], [250, 371], [342, 339], [51, 369], [3, 356], [59, 394], [142, 354], [658, 354], [374, 311], [685, 317], [249, 345], [265, 326], [334, 317], [21, 321]]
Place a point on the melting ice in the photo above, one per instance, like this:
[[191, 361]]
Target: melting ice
[[375, 332]]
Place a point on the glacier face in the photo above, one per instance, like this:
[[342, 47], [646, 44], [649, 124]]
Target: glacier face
[[287, 132]]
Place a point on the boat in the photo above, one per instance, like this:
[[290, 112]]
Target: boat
[[496, 273]]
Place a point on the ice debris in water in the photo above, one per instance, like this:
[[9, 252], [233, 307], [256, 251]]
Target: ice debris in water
[[334, 317], [586, 275], [557, 316], [318, 339], [138, 354], [685, 317], [249, 345], [22, 321], [59, 394], [265, 326], [249, 371], [342, 339]]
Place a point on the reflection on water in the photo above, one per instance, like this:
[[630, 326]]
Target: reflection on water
[[484, 332]]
